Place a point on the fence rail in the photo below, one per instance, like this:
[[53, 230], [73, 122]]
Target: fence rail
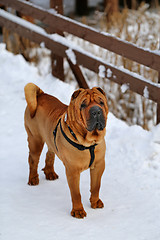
[[107, 41], [58, 45]]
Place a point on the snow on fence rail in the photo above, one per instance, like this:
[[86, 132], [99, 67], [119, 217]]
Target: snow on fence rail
[[59, 22], [59, 45]]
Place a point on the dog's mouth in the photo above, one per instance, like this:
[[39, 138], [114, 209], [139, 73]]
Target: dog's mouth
[[95, 126], [96, 119]]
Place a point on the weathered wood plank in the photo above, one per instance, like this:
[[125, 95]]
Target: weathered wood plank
[[58, 45], [106, 41], [57, 61]]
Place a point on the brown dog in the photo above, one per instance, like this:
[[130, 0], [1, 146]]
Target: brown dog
[[75, 133]]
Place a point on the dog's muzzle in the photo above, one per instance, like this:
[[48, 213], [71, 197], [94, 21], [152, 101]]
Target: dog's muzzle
[[96, 119]]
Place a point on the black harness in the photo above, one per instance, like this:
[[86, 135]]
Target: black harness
[[76, 145]]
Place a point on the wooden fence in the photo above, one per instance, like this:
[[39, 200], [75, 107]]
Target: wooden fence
[[58, 45]]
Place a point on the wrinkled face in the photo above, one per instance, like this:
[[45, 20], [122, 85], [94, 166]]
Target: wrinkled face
[[90, 107]]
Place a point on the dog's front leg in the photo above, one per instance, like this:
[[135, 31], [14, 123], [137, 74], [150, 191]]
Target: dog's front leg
[[96, 174], [73, 178]]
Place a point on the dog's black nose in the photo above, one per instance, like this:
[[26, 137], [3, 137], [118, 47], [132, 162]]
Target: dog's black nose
[[95, 112]]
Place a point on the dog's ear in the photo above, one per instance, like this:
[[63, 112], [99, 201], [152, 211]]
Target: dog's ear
[[76, 93], [101, 90]]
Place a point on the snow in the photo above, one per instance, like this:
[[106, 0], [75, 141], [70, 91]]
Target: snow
[[130, 184], [127, 27], [71, 55], [42, 3], [146, 92], [55, 37], [72, 46], [102, 71], [23, 22], [124, 87], [109, 73]]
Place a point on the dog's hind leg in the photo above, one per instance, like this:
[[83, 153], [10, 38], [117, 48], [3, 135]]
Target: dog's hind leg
[[49, 166], [35, 145]]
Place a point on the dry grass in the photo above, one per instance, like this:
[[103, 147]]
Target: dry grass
[[140, 27]]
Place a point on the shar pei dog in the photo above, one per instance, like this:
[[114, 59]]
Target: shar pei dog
[[75, 133]]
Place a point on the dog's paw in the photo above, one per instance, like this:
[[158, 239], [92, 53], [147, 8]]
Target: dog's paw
[[80, 213], [33, 180], [51, 176], [98, 204]]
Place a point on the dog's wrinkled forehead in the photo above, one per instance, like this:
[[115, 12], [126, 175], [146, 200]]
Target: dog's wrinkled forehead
[[88, 93]]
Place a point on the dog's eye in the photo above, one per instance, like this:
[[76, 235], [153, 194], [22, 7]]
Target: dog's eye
[[101, 103], [83, 105]]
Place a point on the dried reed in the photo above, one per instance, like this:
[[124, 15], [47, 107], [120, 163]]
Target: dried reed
[[140, 27]]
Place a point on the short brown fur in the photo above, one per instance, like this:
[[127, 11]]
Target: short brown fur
[[41, 117]]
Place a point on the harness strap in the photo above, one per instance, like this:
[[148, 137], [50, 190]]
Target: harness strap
[[73, 134], [76, 145], [91, 149], [55, 133]]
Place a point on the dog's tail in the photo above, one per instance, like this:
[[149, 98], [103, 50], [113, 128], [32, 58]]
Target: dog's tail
[[31, 93]]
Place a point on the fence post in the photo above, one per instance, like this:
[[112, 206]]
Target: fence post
[[57, 62], [158, 104], [81, 7], [78, 74], [158, 113], [57, 5], [158, 109]]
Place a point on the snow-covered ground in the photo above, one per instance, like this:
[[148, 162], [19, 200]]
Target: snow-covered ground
[[130, 184]]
